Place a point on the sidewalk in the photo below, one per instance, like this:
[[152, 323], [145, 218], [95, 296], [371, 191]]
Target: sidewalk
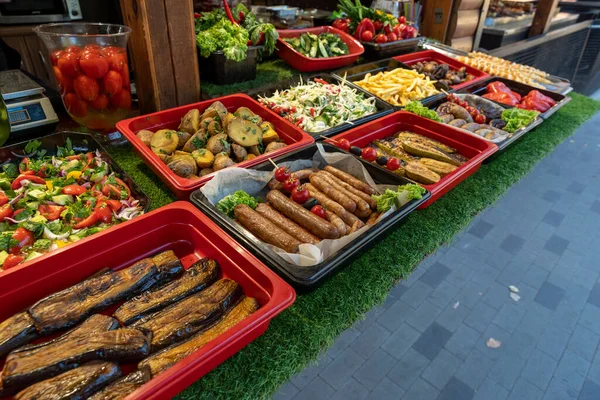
[[428, 340]]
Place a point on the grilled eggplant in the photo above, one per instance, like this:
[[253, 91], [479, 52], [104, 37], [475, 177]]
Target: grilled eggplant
[[94, 324], [195, 279], [395, 149], [26, 367], [418, 172], [439, 167], [409, 136], [422, 150], [166, 358], [16, 331], [70, 306], [123, 387], [76, 384], [190, 315], [168, 265]]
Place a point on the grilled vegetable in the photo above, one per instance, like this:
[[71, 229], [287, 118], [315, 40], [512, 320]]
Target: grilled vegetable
[[419, 149], [439, 167], [419, 173], [164, 141], [16, 331], [122, 387], [244, 132], [322, 46], [190, 122]]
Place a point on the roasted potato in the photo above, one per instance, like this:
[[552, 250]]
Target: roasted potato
[[250, 157], [205, 122], [206, 171], [215, 109], [218, 144], [183, 138], [190, 122], [183, 165], [244, 133], [254, 150], [239, 152], [203, 157], [214, 128], [246, 113], [197, 141], [274, 146], [269, 134], [164, 141], [145, 136], [227, 120], [222, 161]]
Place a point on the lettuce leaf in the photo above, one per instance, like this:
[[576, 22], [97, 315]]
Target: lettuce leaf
[[517, 118], [225, 36], [228, 203], [403, 195]]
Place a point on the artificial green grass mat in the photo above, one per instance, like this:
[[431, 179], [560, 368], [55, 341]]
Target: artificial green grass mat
[[298, 334]]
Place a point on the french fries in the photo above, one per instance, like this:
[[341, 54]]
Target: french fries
[[399, 86]]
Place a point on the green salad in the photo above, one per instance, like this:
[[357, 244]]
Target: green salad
[[322, 46], [517, 118]]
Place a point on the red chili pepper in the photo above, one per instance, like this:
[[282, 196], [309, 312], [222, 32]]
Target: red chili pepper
[[319, 80], [228, 12]]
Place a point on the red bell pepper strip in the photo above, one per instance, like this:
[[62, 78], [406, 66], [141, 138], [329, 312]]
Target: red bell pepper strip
[[31, 178], [228, 12], [503, 98]]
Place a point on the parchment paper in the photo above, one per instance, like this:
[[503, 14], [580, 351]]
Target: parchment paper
[[228, 181]]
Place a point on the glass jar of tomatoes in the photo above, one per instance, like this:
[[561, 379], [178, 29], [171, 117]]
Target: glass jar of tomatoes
[[90, 64]]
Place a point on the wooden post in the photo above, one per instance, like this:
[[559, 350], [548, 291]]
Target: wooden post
[[163, 48], [542, 19], [482, 16]]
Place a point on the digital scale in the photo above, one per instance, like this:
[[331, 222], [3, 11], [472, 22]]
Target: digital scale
[[29, 110]]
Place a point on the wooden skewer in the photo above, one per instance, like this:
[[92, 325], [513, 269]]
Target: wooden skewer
[[273, 162]]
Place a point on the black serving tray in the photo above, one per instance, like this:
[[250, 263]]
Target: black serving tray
[[358, 72], [522, 89], [377, 51], [82, 143], [308, 278], [383, 108]]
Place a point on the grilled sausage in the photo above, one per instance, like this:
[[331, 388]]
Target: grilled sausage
[[302, 216], [349, 188], [265, 229], [287, 225], [331, 205], [337, 222], [373, 218], [446, 118], [349, 179], [301, 174], [331, 191], [471, 126], [457, 122]]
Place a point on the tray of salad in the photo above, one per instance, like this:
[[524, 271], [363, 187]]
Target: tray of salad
[[322, 105], [57, 190]]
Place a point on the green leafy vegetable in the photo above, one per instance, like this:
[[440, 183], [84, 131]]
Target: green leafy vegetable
[[517, 118], [7, 241], [35, 227], [10, 170], [321, 46], [42, 245], [225, 36], [65, 151], [228, 203], [403, 195], [416, 107]]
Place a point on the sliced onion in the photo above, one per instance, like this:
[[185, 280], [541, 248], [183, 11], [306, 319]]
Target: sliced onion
[[87, 185], [19, 197], [55, 162], [21, 155], [11, 220], [49, 235]]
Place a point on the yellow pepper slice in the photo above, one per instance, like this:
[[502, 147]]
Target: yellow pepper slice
[[74, 174], [49, 185]]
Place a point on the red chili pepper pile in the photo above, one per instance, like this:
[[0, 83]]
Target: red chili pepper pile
[[534, 100]]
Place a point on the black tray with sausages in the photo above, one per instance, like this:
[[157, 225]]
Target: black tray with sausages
[[305, 278]]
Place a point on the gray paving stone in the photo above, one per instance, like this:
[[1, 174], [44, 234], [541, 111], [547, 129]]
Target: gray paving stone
[[370, 340], [451, 318], [317, 390], [351, 390], [550, 295], [435, 275], [554, 341], [535, 276], [507, 369], [286, 391], [400, 341], [386, 390], [512, 244], [539, 369], [595, 207], [342, 368], [443, 294], [556, 245], [441, 369], [460, 275], [372, 372], [416, 295], [559, 391], [432, 340], [493, 331], [524, 390], [408, 369], [485, 275], [395, 315], [422, 390], [309, 373], [462, 341], [551, 196], [576, 187], [499, 259], [584, 342], [470, 295], [480, 228], [491, 390], [456, 390], [509, 316], [424, 316], [590, 318], [496, 295], [553, 218], [572, 370], [480, 317], [521, 343], [512, 274], [398, 290], [594, 297], [474, 369], [342, 342], [546, 259], [590, 390], [370, 317]]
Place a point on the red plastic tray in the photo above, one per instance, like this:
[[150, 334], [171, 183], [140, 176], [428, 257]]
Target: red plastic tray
[[432, 55], [170, 119], [307, 64], [474, 148], [191, 235]]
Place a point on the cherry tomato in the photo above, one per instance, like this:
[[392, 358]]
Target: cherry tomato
[[69, 64], [381, 38], [114, 204], [117, 62], [392, 164], [282, 174], [75, 105], [86, 88], [58, 75], [24, 237], [319, 211], [397, 31], [73, 49], [92, 46], [300, 194], [369, 154], [366, 36], [115, 190], [126, 80], [470, 109], [74, 190], [50, 212], [3, 199], [67, 85], [54, 56], [100, 103], [104, 213], [402, 19], [31, 178], [344, 144], [378, 25], [12, 261], [291, 184], [392, 37], [5, 211], [480, 119], [112, 83], [109, 51], [93, 65], [387, 28], [463, 104], [89, 221], [121, 99]]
